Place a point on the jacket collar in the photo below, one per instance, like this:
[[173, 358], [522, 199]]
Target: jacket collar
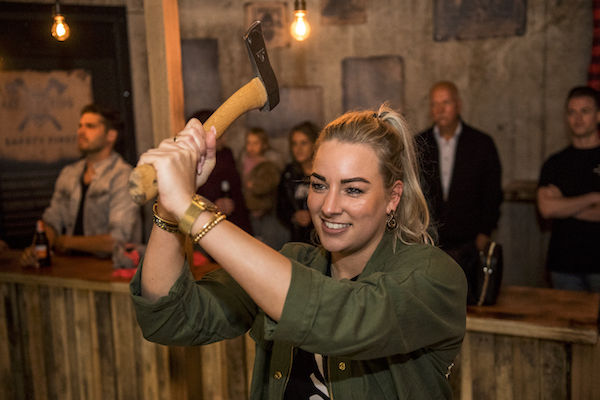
[[382, 254]]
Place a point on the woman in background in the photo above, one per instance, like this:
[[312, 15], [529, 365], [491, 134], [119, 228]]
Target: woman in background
[[292, 209]]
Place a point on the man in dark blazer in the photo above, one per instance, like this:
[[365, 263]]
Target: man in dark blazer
[[461, 177]]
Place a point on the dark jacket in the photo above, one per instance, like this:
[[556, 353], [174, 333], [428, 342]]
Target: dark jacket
[[226, 170], [292, 196], [475, 195]]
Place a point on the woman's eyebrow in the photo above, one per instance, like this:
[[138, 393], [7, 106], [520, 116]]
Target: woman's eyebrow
[[319, 177], [343, 181], [357, 179]]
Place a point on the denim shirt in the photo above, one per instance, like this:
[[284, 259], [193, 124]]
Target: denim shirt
[[108, 208]]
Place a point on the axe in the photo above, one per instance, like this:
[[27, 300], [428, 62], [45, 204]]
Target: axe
[[261, 92]]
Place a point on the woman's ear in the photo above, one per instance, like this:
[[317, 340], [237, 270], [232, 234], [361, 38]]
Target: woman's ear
[[395, 196]]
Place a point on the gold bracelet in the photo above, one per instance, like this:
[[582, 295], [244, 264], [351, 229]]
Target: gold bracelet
[[164, 224], [217, 217], [198, 205]]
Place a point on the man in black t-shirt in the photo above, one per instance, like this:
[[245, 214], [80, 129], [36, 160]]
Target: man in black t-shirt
[[569, 194]]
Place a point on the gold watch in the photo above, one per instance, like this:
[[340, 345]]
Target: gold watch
[[198, 205]]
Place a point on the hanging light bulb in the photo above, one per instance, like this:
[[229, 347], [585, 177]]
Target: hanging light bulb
[[300, 28], [60, 29]]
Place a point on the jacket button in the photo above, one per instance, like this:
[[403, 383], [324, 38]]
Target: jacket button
[[342, 366], [277, 375]]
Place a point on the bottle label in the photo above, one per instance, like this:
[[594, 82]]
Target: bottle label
[[41, 251]]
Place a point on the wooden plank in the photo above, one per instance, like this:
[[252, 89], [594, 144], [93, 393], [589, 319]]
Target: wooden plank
[[83, 319], [235, 351], [213, 358], [503, 371], [177, 372], [555, 372], [35, 341], [71, 339], [11, 365], [584, 369], [193, 373], [526, 366], [104, 327], [185, 367], [482, 357], [165, 380], [61, 372], [125, 374], [532, 330], [164, 67], [150, 378], [98, 347], [137, 355], [466, 368]]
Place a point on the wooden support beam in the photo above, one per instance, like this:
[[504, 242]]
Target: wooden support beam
[[164, 67]]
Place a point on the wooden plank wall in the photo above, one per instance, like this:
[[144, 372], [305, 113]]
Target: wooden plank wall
[[72, 343], [492, 366]]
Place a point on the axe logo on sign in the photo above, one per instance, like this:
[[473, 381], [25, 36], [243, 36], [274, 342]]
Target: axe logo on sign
[[39, 111]]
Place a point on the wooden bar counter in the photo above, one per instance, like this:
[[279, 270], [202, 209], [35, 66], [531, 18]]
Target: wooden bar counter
[[69, 332], [533, 344]]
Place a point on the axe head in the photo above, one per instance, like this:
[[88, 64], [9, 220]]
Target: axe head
[[255, 43]]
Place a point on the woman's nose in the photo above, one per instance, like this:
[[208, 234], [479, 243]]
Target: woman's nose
[[331, 204]]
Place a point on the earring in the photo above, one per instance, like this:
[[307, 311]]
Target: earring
[[390, 221]]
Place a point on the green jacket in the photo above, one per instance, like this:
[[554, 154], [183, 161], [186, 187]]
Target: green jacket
[[391, 334]]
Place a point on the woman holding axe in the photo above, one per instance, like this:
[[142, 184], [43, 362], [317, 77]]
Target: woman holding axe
[[375, 311]]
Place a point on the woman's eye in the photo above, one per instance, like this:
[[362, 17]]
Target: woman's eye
[[354, 191], [317, 186]]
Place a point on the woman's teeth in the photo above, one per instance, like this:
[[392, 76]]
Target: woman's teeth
[[332, 225]]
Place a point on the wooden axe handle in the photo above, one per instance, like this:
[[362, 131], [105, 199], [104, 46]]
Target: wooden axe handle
[[142, 181]]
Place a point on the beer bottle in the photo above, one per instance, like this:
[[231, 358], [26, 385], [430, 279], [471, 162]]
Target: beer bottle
[[41, 245]]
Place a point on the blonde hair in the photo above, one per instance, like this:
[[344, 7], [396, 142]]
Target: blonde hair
[[388, 134]]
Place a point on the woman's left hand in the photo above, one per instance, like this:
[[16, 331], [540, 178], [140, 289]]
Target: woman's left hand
[[182, 164]]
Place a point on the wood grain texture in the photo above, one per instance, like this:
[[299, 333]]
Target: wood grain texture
[[584, 371]]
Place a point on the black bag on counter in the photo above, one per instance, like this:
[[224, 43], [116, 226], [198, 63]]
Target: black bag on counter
[[483, 270], [489, 275]]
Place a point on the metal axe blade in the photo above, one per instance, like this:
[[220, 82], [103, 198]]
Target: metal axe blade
[[257, 51]]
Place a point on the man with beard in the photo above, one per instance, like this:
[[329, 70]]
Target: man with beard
[[569, 194], [91, 210]]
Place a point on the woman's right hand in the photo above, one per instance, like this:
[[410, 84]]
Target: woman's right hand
[[182, 164]]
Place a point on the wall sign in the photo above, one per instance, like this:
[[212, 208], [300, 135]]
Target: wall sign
[[40, 113]]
